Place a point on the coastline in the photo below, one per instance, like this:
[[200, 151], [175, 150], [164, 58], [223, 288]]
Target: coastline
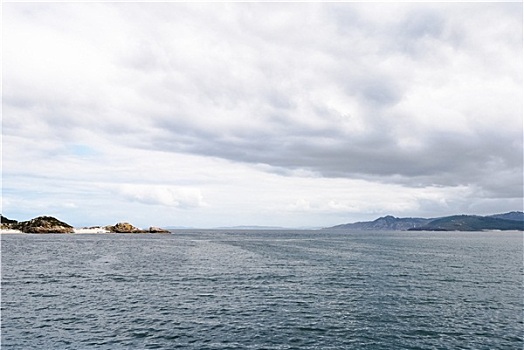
[[91, 230], [10, 232], [76, 231], [49, 224]]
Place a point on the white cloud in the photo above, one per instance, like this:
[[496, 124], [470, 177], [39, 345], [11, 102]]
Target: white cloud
[[179, 197], [264, 109]]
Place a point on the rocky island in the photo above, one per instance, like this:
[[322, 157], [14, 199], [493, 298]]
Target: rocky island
[[125, 227], [49, 224], [41, 224]]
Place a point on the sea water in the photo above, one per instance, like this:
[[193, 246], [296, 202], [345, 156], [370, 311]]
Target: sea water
[[263, 290]]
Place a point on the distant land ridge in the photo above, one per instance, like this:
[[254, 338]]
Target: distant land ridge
[[507, 221], [385, 223], [512, 215], [471, 223]]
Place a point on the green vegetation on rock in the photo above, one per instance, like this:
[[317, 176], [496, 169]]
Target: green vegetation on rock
[[470, 223], [507, 221]]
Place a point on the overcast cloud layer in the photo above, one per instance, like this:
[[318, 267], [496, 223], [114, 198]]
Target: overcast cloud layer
[[297, 114]]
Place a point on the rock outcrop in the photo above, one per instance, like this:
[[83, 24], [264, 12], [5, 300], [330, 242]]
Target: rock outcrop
[[124, 227], [7, 224], [49, 224], [153, 229], [43, 224]]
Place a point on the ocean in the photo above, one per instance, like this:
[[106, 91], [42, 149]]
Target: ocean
[[218, 289]]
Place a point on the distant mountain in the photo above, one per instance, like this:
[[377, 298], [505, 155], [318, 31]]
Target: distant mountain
[[471, 223], [506, 221], [386, 223], [513, 215]]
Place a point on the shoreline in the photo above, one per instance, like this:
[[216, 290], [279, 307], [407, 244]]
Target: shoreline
[[10, 232], [94, 230], [76, 231], [102, 231]]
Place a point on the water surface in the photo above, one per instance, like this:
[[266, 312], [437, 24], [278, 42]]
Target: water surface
[[263, 290]]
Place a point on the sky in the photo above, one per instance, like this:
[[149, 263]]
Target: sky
[[277, 114]]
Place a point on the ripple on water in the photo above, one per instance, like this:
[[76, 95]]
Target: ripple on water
[[260, 290]]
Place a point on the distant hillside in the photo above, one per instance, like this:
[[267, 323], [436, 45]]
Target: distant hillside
[[386, 223], [470, 223], [507, 221], [513, 215]]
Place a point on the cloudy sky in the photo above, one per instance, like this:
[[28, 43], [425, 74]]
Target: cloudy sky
[[284, 114]]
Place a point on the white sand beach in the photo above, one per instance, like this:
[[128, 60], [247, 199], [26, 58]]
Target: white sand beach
[[90, 230], [9, 231]]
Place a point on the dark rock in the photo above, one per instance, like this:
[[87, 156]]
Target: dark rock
[[6, 223], [43, 224], [124, 227], [153, 229]]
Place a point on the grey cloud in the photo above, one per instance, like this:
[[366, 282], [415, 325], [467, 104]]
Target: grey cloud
[[447, 160], [422, 24], [378, 91], [311, 87]]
